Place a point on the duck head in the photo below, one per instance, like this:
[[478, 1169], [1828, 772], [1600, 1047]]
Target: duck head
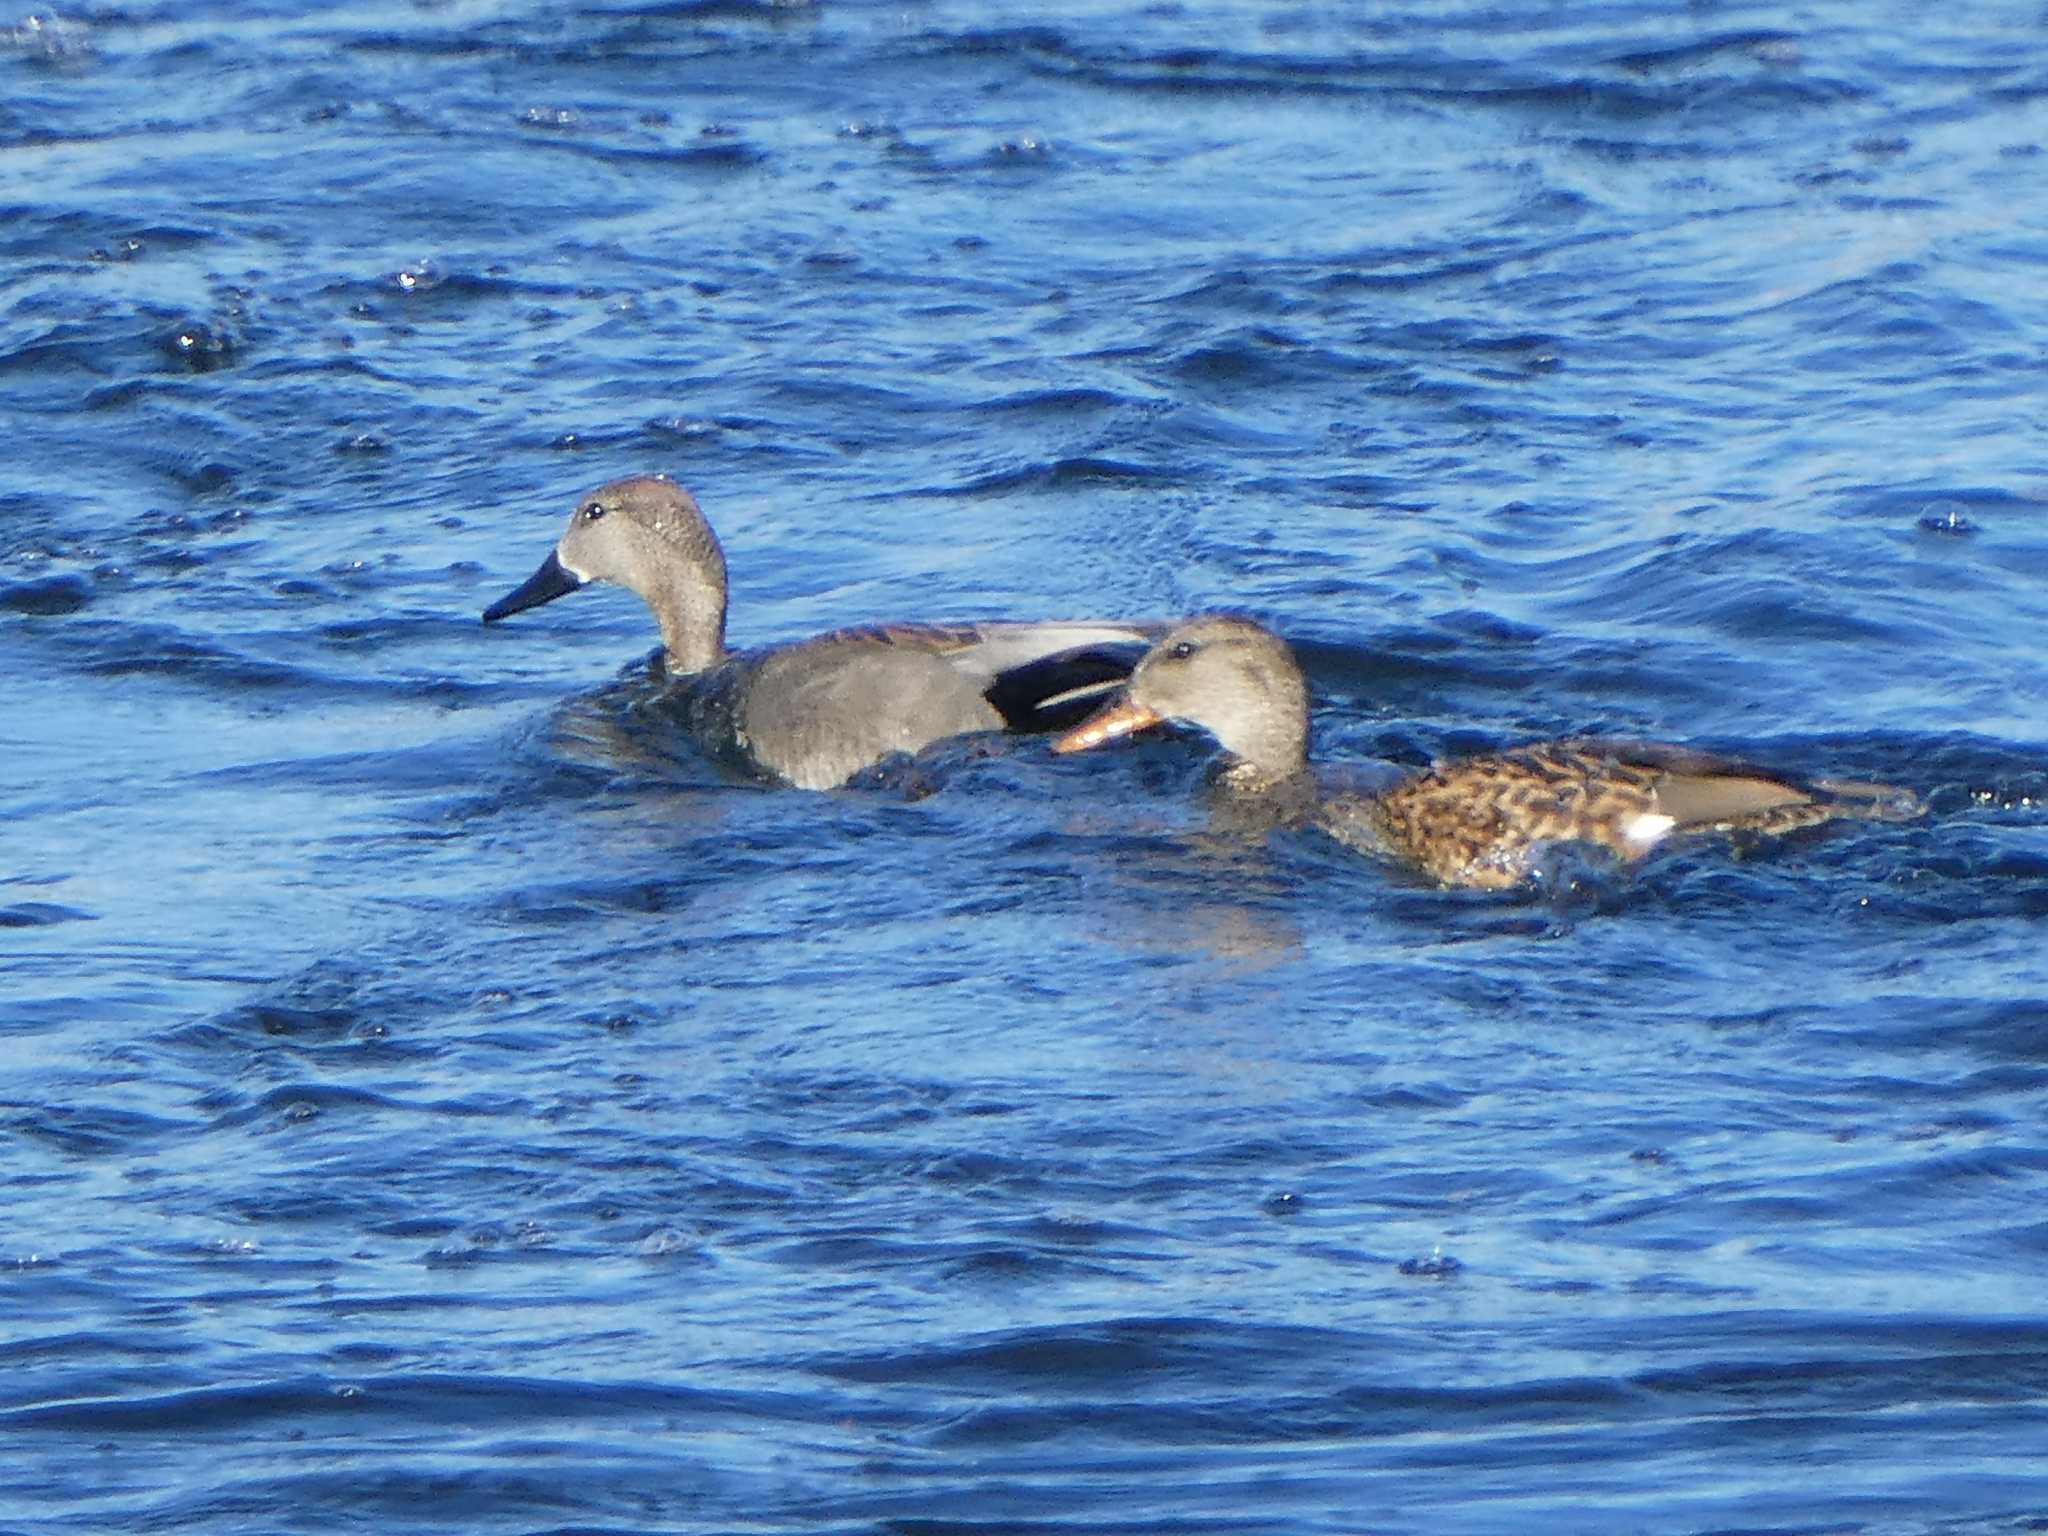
[[646, 534], [1226, 675]]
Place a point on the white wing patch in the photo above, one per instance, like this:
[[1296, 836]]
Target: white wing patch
[[1647, 827]]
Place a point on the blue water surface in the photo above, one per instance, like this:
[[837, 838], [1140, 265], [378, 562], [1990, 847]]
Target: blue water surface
[[433, 1098]]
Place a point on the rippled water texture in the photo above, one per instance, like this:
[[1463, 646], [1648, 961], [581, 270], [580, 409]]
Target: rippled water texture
[[434, 1098]]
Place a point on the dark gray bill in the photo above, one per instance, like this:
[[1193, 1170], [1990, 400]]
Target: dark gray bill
[[551, 581]]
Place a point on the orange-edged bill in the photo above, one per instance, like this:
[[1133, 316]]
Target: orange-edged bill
[[1119, 719]]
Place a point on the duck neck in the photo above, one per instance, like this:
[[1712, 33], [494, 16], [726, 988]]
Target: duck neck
[[1268, 746], [692, 618], [1239, 776], [1250, 801]]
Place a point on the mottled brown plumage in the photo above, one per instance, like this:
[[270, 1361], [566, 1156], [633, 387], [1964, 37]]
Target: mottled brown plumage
[[1476, 822]]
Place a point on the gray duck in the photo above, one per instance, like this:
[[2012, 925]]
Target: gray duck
[[815, 712]]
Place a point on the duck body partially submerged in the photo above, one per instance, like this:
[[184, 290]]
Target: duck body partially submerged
[[1479, 822], [814, 712]]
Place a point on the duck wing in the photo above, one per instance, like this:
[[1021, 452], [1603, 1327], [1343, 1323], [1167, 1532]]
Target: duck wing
[[1703, 792], [1037, 675]]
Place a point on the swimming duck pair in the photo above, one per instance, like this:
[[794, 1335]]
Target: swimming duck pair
[[815, 712]]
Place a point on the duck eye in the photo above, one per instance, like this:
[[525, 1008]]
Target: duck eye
[[590, 512], [1182, 650]]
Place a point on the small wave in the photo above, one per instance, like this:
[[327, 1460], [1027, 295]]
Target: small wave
[[1059, 474], [41, 914], [48, 596], [1055, 404]]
